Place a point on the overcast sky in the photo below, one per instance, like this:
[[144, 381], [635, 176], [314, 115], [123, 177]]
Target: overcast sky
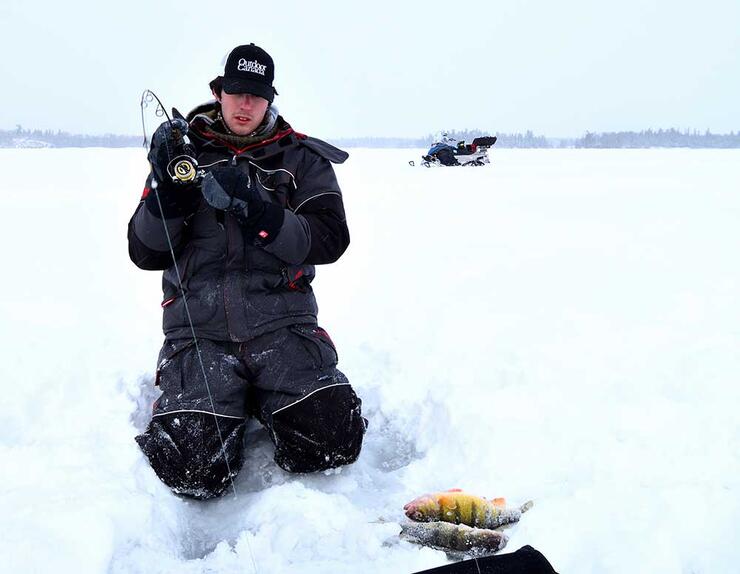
[[382, 68]]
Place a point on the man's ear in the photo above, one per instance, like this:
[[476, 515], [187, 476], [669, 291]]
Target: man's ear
[[217, 95]]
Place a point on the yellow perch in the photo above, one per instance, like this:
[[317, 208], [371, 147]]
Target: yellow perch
[[459, 507], [456, 538]]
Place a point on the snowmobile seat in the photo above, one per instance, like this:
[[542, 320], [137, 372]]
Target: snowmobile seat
[[464, 149]]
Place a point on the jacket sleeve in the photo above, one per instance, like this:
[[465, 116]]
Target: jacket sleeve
[[314, 228], [148, 246]]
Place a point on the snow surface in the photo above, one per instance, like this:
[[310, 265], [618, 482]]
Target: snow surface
[[561, 326]]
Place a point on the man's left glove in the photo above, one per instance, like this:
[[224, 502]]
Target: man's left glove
[[231, 189]]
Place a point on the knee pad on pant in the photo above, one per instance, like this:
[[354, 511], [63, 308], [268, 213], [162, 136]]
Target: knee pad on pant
[[324, 430], [185, 451]]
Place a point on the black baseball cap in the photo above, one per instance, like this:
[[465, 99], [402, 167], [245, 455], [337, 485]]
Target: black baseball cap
[[249, 70]]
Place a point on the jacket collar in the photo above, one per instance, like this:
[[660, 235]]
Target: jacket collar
[[207, 125]]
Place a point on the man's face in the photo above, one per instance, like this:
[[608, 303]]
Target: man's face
[[242, 112]]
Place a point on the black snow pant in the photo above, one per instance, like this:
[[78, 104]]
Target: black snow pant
[[287, 379]]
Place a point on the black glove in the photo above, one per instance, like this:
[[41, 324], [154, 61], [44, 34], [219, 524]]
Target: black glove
[[168, 142], [231, 189], [176, 199]]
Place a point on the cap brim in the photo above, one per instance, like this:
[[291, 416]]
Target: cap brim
[[241, 86]]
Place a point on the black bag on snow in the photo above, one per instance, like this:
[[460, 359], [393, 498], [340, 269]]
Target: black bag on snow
[[526, 560]]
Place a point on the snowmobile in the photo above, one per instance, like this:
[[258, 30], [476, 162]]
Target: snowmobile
[[449, 152]]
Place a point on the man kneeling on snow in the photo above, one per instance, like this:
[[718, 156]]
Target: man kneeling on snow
[[240, 320]]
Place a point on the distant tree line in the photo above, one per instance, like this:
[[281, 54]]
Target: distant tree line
[[659, 138], [518, 140], [645, 139], [380, 142], [525, 140], [670, 138], [20, 137]]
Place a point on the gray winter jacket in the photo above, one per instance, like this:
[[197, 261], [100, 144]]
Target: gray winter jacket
[[237, 287]]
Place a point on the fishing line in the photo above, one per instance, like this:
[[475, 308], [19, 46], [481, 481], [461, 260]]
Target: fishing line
[[146, 98]]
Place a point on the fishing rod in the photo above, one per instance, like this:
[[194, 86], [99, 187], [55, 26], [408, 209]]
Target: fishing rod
[[183, 167]]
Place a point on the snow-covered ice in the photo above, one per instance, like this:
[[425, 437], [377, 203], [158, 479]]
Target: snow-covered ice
[[561, 325]]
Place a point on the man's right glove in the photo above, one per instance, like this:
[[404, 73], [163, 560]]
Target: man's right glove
[[177, 199], [168, 142]]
